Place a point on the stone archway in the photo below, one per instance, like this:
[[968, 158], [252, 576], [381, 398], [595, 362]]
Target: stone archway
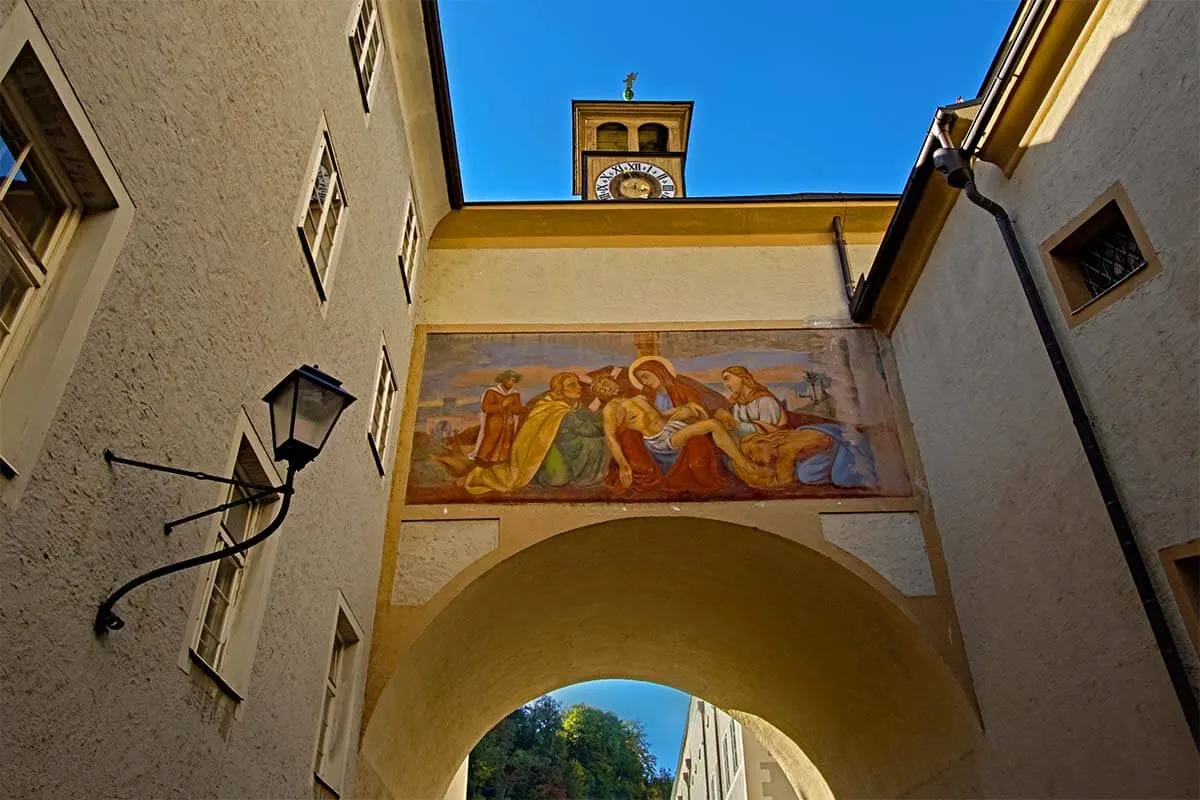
[[746, 619]]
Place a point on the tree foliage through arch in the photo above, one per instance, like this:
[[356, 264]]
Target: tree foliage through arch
[[545, 752]]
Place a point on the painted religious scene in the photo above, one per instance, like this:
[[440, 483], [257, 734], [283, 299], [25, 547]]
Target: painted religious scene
[[652, 416]]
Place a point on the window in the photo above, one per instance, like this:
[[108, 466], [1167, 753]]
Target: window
[[335, 731], [237, 524], [323, 214], [410, 243], [652, 138], [63, 217], [232, 593], [381, 410], [733, 740], [612, 136], [1099, 257], [38, 208], [1182, 565], [366, 45]]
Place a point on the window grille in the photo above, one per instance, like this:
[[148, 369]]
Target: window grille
[[1099, 257], [1109, 257]]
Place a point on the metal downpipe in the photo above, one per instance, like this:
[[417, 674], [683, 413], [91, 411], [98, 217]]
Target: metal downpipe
[[963, 177]]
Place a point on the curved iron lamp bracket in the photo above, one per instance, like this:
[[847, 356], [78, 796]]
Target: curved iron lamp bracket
[[107, 620]]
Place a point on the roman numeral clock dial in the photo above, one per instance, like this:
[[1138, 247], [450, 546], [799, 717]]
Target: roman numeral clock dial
[[634, 180]]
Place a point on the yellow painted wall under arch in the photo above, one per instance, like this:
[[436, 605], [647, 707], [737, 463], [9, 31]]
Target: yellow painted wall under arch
[[751, 620]]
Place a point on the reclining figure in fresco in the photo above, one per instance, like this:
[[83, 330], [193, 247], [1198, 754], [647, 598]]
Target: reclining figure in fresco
[[663, 436]]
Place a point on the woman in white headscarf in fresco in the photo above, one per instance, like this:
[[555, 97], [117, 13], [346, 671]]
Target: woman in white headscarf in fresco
[[817, 453]]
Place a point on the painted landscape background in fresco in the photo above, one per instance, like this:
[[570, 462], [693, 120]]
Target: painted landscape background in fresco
[[676, 415]]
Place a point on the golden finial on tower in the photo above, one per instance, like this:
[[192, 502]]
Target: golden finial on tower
[[629, 79]]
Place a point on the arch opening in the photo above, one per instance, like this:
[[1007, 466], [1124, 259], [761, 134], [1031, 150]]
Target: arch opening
[[638, 740], [612, 136], [749, 620], [652, 138]]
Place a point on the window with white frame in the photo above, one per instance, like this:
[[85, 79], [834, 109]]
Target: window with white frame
[[233, 592], [39, 210], [323, 214], [337, 704], [410, 244], [63, 216], [237, 524], [382, 410], [366, 46]]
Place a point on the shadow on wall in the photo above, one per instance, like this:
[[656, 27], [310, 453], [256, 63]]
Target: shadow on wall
[[747, 619]]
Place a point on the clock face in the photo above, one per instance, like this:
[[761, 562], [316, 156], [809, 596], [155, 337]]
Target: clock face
[[634, 180]]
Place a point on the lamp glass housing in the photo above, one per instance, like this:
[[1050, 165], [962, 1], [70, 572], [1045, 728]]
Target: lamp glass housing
[[305, 406]]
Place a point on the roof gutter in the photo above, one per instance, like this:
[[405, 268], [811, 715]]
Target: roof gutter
[[866, 293], [441, 97]]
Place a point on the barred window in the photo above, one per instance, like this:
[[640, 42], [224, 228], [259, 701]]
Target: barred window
[[1099, 257]]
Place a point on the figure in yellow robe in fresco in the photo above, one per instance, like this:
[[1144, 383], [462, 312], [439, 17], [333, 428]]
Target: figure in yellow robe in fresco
[[533, 441]]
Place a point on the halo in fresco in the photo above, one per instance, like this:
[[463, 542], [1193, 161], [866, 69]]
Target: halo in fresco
[[652, 416]]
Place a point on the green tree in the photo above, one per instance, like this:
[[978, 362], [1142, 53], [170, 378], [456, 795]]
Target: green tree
[[541, 752]]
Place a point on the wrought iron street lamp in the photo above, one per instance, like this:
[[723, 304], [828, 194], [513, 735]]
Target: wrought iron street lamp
[[304, 407]]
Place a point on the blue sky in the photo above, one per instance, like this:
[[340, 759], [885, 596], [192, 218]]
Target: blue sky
[[662, 710], [791, 95]]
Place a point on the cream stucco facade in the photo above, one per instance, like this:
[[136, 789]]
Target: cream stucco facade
[[722, 757], [978, 636]]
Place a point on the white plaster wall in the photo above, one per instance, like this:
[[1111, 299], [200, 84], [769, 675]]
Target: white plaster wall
[[209, 111], [891, 543], [431, 553], [646, 285], [1074, 696]]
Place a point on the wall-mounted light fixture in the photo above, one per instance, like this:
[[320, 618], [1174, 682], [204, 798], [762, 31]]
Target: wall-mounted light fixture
[[304, 408]]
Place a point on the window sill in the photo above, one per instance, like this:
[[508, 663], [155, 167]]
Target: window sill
[[214, 676], [327, 785]]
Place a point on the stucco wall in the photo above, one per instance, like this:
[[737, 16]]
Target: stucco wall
[[617, 284], [209, 111], [1074, 696]]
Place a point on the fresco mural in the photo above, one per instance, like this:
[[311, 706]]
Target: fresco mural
[[651, 416]]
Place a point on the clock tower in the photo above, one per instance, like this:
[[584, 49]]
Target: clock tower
[[630, 149]]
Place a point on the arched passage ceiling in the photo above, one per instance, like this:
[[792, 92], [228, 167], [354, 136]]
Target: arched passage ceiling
[[744, 618]]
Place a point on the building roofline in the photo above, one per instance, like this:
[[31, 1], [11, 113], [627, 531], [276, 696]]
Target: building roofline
[[441, 101], [747, 199], [990, 127]]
